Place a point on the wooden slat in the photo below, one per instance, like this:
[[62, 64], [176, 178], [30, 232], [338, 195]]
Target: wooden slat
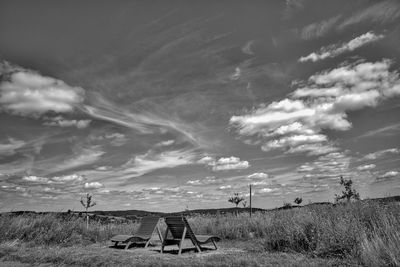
[[179, 226]]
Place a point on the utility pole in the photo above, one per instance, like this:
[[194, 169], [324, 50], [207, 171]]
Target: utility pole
[[251, 209]]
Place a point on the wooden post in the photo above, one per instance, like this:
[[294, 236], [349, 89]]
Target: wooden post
[[251, 209]]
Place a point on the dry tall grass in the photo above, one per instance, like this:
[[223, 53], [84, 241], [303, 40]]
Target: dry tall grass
[[51, 229], [366, 231]]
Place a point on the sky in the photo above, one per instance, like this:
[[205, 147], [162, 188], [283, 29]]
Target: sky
[[173, 105]]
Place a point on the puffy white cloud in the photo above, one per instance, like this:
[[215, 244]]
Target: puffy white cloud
[[9, 148], [28, 93], [366, 167], [267, 190], [35, 179], [337, 49], [206, 160], [93, 185], [231, 163], [293, 141], [295, 124], [68, 178], [382, 153], [224, 164], [61, 122], [313, 149], [206, 181], [258, 178], [327, 166]]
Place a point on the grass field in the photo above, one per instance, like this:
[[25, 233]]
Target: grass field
[[360, 233]]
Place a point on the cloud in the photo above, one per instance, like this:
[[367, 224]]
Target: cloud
[[73, 178], [246, 49], [210, 180], [84, 156], [381, 153], [383, 12], [258, 178], [225, 187], [366, 167], [293, 7], [295, 124], [231, 163], [385, 131], [224, 164], [65, 179], [149, 119], [237, 74], [389, 174], [35, 179], [319, 29], [7, 149], [267, 190], [142, 164], [61, 122], [326, 166], [114, 139], [28, 93], [93, 185], [338, 49], [297, 141], [165, 143], [258, 175], [206, 160]]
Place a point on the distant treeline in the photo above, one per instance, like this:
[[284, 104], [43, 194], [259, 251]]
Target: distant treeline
[[133, 215]]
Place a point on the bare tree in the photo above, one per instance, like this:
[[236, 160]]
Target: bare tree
[[244, 204], [236, 199], [348, 193], [298, 200], [87, 203]]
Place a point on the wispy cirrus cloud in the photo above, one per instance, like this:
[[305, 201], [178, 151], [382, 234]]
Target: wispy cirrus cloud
[[384, 131], [148, 162], [383, 12], [381, 153], [150, 119], [247, 48], [9, 148], [338, 49], [295, 124], [319, 29]]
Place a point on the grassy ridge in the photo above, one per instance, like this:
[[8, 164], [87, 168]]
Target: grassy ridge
[[366, 231]]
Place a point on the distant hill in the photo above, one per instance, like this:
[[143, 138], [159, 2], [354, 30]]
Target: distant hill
[[137, 214]]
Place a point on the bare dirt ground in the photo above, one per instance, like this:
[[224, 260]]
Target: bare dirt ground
[[228, 254]]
